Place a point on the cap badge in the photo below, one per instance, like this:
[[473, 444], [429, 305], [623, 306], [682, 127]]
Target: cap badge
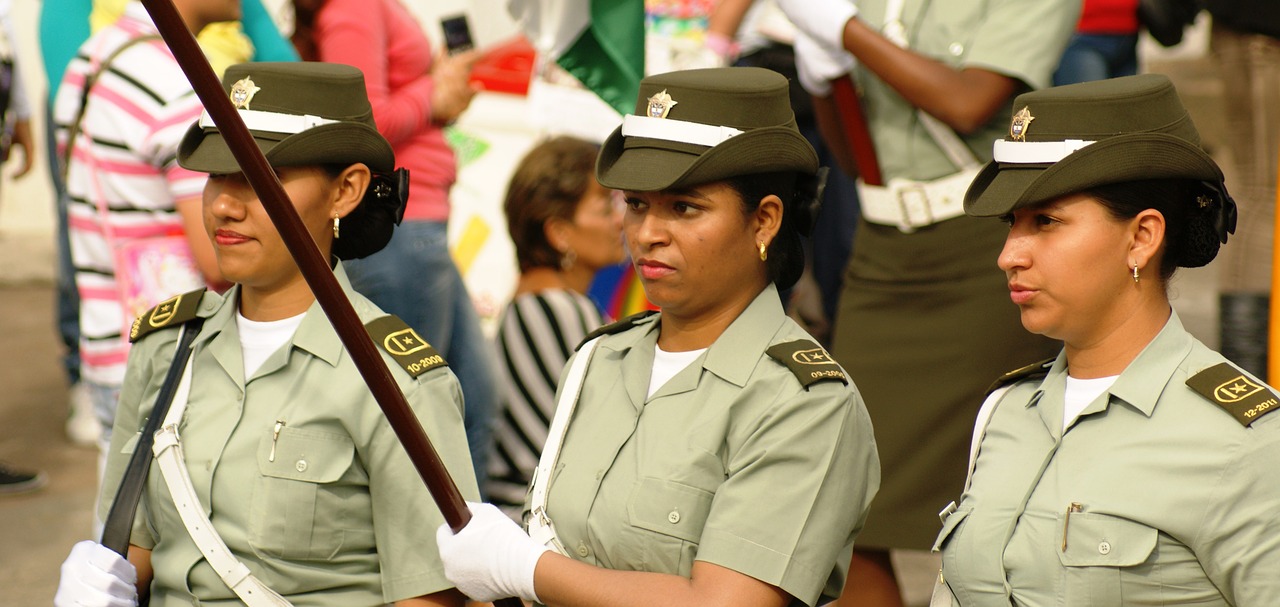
[[1204, 201], [1021, 122], [660, 104], [242, 92]]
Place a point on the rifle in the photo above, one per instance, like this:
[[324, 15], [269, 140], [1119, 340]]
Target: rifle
[[854, 124]]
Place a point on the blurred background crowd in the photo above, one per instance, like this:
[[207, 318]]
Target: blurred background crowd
[[511, 252]]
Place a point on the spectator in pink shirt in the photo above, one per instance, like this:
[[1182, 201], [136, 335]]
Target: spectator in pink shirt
[[414, 95]]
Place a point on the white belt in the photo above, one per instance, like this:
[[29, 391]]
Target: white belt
[[173, 469], [908, 204]]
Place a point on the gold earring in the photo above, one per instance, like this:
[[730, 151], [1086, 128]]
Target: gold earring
[[764, 251], [336, 220], [1135, 273]]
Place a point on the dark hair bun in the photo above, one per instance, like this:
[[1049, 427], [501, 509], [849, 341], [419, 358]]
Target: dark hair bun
[[1211, 219], [367, 229]]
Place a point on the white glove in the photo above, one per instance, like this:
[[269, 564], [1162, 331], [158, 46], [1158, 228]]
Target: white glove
[[95, 576], [816, 66], [491, 558], [822, 20]]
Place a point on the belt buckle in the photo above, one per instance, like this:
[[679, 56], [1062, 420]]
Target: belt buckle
[[913, 196]]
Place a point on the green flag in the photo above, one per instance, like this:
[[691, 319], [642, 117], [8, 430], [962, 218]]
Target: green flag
[[600, 42]]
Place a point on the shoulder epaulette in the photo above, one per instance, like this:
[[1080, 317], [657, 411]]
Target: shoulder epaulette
[[1228, 387], [1032, 371], [616, 326], [171, 312], [409, 350], [808, 362]]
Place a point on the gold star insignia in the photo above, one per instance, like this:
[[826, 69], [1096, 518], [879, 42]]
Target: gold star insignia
[[242, 92]]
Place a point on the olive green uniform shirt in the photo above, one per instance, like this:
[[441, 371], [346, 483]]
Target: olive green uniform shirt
[[732, 462], [339, 515], [1173, 501], [1021, 39]]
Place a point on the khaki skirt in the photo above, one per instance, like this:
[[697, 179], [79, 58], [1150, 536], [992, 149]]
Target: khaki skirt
[[925, 325]]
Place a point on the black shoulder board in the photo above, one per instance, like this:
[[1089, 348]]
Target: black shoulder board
[[171, 312], [404, 344], [616, 327], [1032, 371], [1228, 387], [808, 361]]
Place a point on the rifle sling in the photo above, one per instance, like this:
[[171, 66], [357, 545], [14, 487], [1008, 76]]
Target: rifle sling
[[119, 523]]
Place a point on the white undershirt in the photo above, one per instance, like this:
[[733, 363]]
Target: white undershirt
[[259, 340], [1081, 392], [667, 364]]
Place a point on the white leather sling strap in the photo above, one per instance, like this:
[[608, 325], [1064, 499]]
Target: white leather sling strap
[[173, 469], [975, 444], [541, 528], [909, 204], [942, 595]]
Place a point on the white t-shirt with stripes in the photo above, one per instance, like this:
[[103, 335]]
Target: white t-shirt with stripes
[[125, 157]]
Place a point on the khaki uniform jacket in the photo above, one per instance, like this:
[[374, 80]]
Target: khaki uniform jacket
[[339, 516], [1173, 501], [732, 462]]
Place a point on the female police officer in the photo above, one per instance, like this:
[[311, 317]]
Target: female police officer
[[1136, 468], [716, 455], [286, 451]]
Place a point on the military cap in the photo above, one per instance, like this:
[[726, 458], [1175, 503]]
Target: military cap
[[299, 113], [698, 126], [1067, 139]]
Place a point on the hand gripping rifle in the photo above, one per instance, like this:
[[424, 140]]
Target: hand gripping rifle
[[314, 269]]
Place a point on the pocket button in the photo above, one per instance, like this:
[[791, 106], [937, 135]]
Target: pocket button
[[674, 517], [301, 466], [1104, 548]]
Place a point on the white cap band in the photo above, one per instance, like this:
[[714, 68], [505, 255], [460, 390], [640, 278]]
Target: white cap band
[[1036, 152], [676, 130], [272, 122]]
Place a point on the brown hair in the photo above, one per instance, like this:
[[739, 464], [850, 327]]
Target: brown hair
[[548, 183]]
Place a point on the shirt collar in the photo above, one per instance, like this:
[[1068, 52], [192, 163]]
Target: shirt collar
[[734, 355], [1142, 382], [315, 334]]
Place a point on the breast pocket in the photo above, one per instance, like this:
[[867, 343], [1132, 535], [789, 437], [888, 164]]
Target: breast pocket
[[669, 518], [293, 494], [1103, 555]]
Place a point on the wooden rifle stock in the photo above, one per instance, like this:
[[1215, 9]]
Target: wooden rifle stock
[[315, 269], [854, 123]]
